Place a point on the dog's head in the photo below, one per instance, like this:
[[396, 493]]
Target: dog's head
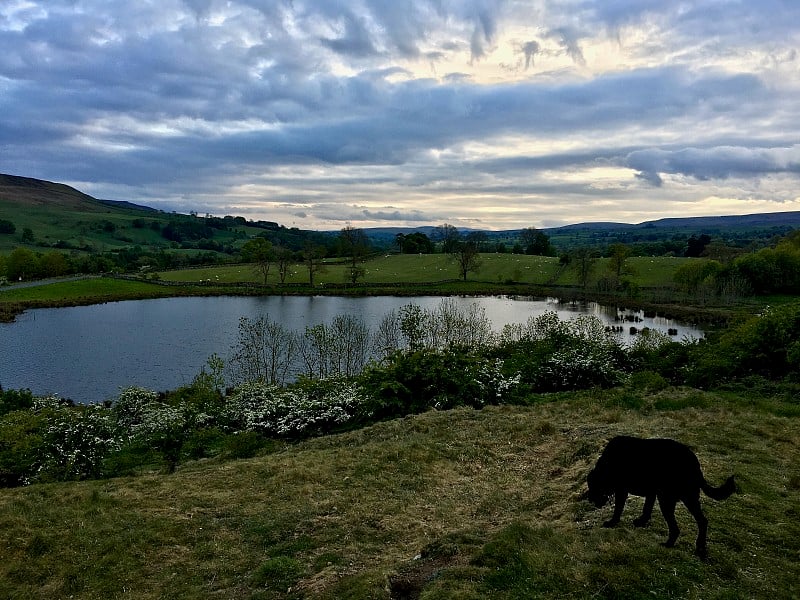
[[600, 491]]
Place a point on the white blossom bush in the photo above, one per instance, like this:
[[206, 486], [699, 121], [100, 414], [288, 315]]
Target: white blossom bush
[[484, 383], [77, 440], [297, 411], [578, 367], [131, 405], [157, 420]]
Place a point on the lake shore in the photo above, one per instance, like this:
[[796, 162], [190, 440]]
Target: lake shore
[[83, 291]]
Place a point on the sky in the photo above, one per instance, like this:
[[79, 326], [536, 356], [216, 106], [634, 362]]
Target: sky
[[490, 114]]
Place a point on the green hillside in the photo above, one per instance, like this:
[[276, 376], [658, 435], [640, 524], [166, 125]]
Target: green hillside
[[61, 216]]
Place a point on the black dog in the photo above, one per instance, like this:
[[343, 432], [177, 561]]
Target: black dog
[[653, 468]]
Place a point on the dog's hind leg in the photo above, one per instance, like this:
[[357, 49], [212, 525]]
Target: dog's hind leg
[[667, 506], [619, 504], [647, 511], [693, 504]]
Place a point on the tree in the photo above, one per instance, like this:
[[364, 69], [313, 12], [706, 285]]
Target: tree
[[618, 253], [284, 258], [354, 244], [22, 264], [259, 252], [535, 242], [53, 264], [448, 236], [583, 260], [414, 243], [265, 351], [7, 226], [695, 245], [467, 257], [27, 235], [312, 257]]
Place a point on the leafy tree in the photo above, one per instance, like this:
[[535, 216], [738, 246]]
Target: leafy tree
[[27, 236], [535, 242], [618, 253], [22, 264], [692, 276], [53, 264], [7, 226], [414, 243], [696, 245], [259, 252]]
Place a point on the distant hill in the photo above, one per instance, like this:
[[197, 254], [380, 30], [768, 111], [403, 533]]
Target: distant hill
[[26, 191], [60, 214], [789, 218], [129, 205]]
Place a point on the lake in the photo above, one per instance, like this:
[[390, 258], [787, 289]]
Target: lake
[[88, 353]]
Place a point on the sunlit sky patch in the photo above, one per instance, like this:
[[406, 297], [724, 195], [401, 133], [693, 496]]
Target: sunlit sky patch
[[480, 113]]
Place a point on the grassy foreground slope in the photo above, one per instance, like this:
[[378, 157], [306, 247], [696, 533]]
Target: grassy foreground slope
[[488, 502]]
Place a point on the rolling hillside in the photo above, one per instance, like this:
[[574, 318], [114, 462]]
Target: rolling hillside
[[63, 217]]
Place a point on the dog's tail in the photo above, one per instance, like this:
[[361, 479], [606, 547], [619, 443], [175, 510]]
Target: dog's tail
[[721, 492]]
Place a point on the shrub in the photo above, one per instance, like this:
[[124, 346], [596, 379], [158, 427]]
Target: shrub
[[578, 368], [11, 400], [75, 443], [766, 345], [306, 408], [21, 446], [412, 382]]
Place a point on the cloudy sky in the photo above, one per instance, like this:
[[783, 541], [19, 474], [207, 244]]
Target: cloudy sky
[[480, 113]]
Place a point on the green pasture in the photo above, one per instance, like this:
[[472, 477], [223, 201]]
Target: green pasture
[[453, 504], [431, 268], [95, 287]]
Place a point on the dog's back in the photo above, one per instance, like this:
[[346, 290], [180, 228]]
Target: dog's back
[[645, 466]]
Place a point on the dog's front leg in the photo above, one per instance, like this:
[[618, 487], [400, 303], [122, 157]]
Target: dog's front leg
[[647, 511], [619, 504]]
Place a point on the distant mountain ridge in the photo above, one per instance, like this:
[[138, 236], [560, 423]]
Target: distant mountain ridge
[[27, 190]]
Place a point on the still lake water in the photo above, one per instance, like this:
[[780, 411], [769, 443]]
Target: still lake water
[[88, 353]]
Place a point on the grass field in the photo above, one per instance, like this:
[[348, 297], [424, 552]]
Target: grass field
[[458, 504], [412, 268]]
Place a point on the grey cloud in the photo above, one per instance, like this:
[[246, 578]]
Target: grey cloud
[[395, 215], [530, 50], [714, 163], [355, 41], [569, 39]]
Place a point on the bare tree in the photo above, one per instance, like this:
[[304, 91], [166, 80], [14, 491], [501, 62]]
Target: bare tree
[[265, 351], [283, 258], [448, 236], [583, 260], [354, 244], [337, 348], [312, 257]]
